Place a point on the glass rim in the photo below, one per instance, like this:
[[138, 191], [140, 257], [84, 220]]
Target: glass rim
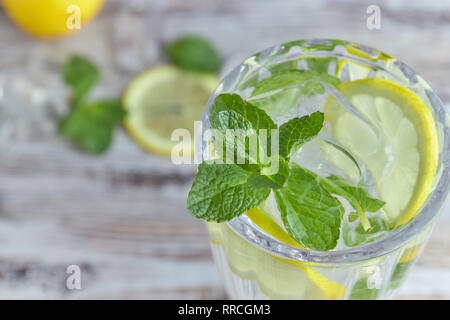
[[243, 226]]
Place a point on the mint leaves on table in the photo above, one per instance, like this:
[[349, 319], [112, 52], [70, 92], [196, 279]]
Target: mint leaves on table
[[195, 53], [81, 75], [89, 124], [310, 212]]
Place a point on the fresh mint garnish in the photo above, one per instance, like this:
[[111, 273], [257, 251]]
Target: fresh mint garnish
[[266, 179], [195, 53], [309, 209], [221, 192], [297, 131], [359, 198], [356, 235], [81, 75], [311, 215], [89, 124]]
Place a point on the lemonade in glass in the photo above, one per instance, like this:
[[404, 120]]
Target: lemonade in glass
[[361, 172]]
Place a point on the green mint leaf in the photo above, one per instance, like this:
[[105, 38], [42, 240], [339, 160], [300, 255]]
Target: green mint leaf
[[195, 53], [90, 125], [278, 93], [81, 75], [266, 179], [311, 215], [283, 79], [321, 64], [361, 291], [353, 216], [356, 235], [220, 192], [232, 103], [399, 274], [282, 66], [296, 132], [338, 147], [230, 111], [359, 198]]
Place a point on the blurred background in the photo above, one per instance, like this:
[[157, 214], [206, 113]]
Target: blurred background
[[122, 216]]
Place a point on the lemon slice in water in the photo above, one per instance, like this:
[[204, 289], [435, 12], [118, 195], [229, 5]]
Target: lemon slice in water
[[399, 147], [163, 99]]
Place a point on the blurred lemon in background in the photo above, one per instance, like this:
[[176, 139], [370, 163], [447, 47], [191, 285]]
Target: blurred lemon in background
[[48, 19]]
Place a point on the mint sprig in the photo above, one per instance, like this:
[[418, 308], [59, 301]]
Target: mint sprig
[[309, 209], [80, 74], [89, 124]]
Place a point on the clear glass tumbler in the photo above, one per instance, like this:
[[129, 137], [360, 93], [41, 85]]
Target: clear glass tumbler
[[255, 265]]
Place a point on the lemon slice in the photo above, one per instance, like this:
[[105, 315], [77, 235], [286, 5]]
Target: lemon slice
[[330, 289], [399, 148], [164, 99], [348, 70]]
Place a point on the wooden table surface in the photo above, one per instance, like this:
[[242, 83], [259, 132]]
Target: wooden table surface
[[122, 217]]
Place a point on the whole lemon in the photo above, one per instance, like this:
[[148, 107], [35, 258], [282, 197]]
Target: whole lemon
[[47, 19]]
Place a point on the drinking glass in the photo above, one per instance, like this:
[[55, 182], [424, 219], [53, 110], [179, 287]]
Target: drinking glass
[[255, 265]]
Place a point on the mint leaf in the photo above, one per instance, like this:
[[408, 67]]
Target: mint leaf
[[320, 64], [195, 53], [341, 149], [283, 79], [220, 192], [361, 291], [230, 112], [90, 125], [356, 235], [311, 215], [81, 75], [359, 198], [278, 93], [232, 103], [296, 132], [353, 216], [264, 178], [399, 274]]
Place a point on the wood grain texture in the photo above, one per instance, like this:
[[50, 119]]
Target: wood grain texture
[[123, 217]]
